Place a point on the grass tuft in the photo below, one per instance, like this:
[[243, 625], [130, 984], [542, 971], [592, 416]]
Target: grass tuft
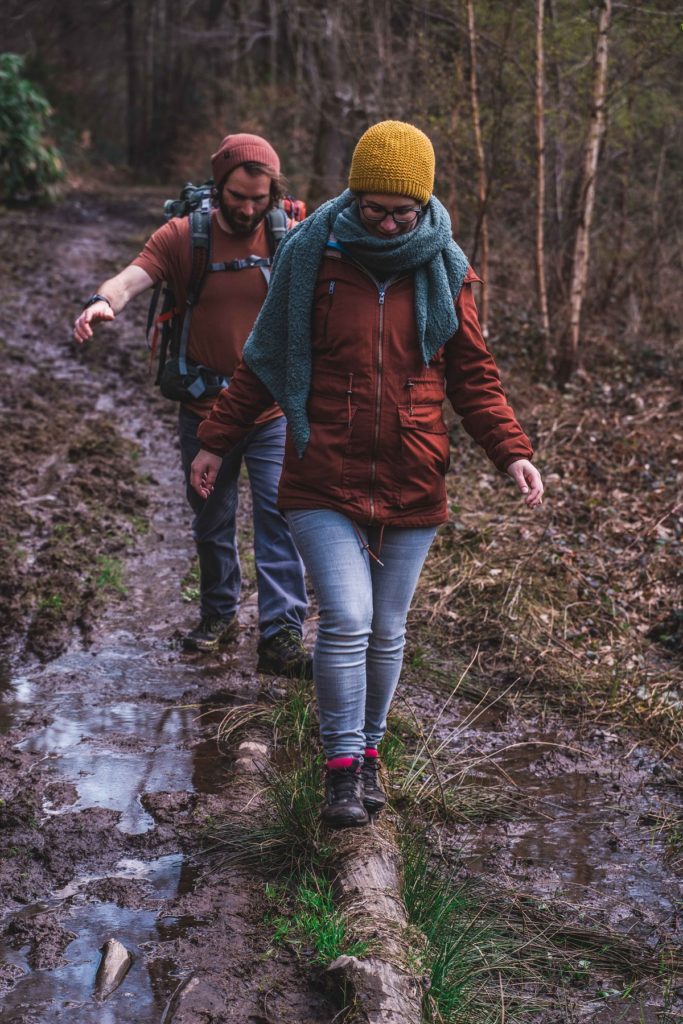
[[312, 926], [461, 947], [287, 839]]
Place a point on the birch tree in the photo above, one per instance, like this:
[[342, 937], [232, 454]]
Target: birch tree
[[570, 343], [482, 188], [541, 287]]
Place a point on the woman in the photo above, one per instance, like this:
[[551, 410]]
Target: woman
[[369, 324]]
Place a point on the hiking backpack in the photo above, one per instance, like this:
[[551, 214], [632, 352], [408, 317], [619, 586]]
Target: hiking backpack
[[178, 377]]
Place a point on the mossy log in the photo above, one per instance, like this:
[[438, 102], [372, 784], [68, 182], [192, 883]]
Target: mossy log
[[383, 985]]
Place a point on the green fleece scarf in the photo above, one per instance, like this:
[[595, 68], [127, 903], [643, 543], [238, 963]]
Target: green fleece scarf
[[278, 349]]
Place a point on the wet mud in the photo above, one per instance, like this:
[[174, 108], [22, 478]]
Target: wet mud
[[110, 775], [558, 827]]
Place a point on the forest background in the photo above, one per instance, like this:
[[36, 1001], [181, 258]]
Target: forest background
[[553, 122]]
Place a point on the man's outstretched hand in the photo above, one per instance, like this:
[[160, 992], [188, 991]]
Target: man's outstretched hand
[[89, 317], [204, 471], [528, 479]]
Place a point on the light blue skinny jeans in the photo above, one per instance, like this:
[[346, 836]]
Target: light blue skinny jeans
[[363, 610]]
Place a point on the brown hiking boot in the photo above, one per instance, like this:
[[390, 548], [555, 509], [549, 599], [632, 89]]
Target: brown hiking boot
[[211, 632], [285, 655], [343, 805]]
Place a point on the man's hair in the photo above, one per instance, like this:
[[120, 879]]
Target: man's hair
[[278, 183]]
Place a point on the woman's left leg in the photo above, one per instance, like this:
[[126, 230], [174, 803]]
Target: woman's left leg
[[403, 552]]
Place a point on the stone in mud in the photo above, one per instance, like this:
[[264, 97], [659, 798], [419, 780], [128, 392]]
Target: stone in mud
[[114, 966], [251, 757]]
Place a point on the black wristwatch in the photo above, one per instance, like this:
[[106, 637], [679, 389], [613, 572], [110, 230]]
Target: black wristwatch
[[97, 298]]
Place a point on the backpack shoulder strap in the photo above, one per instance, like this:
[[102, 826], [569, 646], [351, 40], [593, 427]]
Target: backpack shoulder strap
[[200, 247], [277, 226], [200, 242]]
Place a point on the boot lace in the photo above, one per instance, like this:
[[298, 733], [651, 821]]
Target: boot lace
[[370, 772], [344, 784], [289, 644]]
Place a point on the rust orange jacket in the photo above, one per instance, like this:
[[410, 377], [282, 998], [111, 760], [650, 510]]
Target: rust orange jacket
[[379, 448]]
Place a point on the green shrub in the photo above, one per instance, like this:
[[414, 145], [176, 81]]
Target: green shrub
[[29, 165]]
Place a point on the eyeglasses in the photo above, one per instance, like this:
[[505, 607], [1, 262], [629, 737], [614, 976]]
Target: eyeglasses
[[401, 216]]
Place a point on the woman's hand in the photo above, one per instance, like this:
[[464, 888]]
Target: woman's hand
[[204, 471], [528, 479]]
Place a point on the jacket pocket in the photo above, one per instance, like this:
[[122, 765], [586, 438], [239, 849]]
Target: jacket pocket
[[331, 413], [425, 454]]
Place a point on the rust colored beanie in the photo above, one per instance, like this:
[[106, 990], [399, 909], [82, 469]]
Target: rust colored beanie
[[393, 157], [240, 149]]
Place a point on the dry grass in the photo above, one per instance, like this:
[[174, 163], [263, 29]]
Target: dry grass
[[580, 601]]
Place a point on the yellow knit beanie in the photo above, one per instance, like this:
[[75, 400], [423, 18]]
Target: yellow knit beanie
[[393, 157]]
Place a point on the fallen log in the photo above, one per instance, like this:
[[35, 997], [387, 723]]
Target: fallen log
[[383, 986]]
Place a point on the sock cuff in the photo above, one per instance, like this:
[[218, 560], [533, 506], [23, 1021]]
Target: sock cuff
[[371, 752], [340, 762]]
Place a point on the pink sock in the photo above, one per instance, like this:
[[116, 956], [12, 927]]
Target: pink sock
[[371, 752], [339, 762]]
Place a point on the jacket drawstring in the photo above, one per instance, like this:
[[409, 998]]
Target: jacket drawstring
[[349, 392], [365, 545]]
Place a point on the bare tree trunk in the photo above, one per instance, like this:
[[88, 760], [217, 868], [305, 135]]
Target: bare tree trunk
[[331, 144], [570, 349], [273, 29], [559, 155], [481, 165], [559, 254], [451, 197], [541, 286], [134, 114]]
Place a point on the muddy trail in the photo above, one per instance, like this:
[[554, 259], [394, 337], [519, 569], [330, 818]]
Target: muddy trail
[[111, 777]]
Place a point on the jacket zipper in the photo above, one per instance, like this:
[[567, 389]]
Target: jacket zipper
[[410, 384], [382, 287], [330, 297]]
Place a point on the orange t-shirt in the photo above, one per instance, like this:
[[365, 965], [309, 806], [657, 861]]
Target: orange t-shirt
[[230, 300]]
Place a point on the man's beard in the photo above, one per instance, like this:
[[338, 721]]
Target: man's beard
[[237, 222]]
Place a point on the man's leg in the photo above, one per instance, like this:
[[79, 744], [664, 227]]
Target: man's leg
[[282, 598], [213, 529]]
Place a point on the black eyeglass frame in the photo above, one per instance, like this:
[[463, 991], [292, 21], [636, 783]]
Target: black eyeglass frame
[[419, 212]]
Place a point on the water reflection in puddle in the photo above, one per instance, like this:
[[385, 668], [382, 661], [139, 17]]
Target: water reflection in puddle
[[579, 839], [114, 754], [66, 993], [113, 735], [122, 668]]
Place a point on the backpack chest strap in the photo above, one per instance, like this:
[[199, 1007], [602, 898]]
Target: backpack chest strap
[[245, 264]]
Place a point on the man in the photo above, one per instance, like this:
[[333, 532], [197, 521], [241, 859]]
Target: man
[[246, 173]]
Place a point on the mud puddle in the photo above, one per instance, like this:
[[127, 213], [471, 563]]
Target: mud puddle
[[578, 845], [580, 830], [66, 992]]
